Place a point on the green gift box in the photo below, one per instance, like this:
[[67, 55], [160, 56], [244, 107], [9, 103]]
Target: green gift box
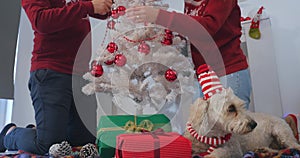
[[111, 126]]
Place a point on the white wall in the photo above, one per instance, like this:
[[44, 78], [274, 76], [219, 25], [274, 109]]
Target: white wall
[[286, 35], [23, 110], [286, 38]]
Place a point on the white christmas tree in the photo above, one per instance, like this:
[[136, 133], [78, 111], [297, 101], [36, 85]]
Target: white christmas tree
[[144, 66]]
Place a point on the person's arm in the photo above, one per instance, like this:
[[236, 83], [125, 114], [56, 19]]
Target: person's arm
[[216, 13], [185, 25], [45, 19], [98, 16]]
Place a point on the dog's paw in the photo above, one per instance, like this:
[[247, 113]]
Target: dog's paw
[[209, 156], [265, 150]]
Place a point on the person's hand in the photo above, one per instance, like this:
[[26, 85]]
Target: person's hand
[[102, 7], [140, 14]]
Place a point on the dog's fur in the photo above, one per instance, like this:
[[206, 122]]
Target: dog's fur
[[225, 113]]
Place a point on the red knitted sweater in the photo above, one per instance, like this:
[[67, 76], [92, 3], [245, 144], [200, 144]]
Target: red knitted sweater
[[221, 19], [59, 31]]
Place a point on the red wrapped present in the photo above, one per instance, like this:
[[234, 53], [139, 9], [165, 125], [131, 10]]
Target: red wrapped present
[[157, 144]]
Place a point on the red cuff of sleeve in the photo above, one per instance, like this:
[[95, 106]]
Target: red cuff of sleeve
[[89, 7]]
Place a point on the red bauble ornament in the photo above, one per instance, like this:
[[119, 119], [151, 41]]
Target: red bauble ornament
[[168, 36], [112, 47], [121, 10], [120, 60], [167, 41], [97, 70], [111, 24], [144, 48], [94, 62], [109, 62], [168, 31], [114, 14], [171, 75]]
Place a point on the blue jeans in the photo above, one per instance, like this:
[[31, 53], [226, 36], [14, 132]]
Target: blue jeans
[[239, 82], [60, 110]]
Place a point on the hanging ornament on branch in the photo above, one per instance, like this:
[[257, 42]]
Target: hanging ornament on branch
[[109, 62], [111, 24], [121, 10], [97, 69], [171, 75], [114, 13], [120, 60], [168, 37], [144, 48], [112, 47]]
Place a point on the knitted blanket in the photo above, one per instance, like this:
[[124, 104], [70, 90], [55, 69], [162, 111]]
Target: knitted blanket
[[286, 153]]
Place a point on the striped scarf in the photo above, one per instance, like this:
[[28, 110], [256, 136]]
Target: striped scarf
[[212, 142]]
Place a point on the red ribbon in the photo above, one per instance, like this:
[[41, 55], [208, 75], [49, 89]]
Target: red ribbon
[[154, 134]]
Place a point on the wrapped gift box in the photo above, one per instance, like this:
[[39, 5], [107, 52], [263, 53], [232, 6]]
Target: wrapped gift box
[[153, 145], [111, 126]]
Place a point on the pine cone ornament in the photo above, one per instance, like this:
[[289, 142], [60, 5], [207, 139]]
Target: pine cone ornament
[[88, 151], [59, 150]]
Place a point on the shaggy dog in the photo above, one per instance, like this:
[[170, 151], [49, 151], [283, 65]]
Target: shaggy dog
[[224, 113]]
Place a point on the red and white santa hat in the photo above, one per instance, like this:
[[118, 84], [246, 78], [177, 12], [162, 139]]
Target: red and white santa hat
[[209, 81]]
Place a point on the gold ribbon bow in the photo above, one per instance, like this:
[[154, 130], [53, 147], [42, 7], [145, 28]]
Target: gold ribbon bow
[[145, 125]]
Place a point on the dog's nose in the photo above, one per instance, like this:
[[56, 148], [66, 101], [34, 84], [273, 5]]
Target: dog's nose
[[252, 124]]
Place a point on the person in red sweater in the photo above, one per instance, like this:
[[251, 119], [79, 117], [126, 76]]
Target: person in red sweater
[[61, 53], [214, 29]]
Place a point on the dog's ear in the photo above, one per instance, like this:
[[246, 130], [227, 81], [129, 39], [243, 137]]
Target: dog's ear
[[231, 96], [234, 99], [229, 91], [197, 111]]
